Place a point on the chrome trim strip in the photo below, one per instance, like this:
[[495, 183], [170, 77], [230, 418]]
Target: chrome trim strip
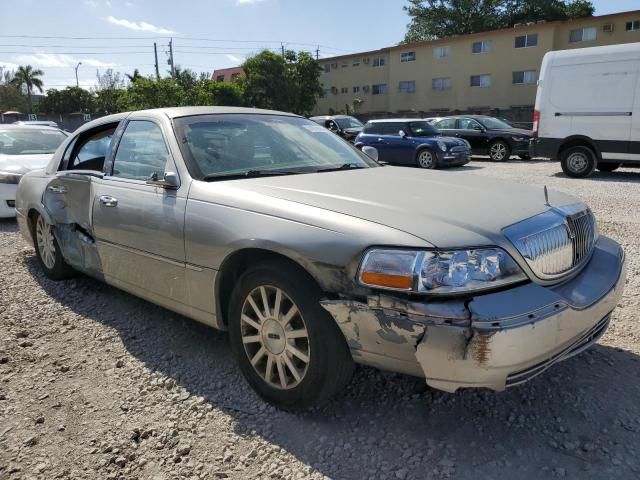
[[593, 114], [143, 253]]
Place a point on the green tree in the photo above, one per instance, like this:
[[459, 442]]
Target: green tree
[[109, 88], [210, 92], [135, 76], [26, 78], [10, 96], [289, 83], [444, 18], [148, 93], [68, 100]]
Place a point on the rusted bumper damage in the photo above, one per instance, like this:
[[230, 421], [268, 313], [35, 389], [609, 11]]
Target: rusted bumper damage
[[493, 340]]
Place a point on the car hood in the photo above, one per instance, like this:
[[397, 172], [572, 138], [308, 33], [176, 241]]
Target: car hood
[[22, 164], [446, 209], [451, 141], [514, 131]]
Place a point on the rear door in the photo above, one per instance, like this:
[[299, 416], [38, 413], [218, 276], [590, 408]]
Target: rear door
[[68, 198], [139, 226]]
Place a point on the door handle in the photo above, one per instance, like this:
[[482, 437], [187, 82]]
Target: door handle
[[108, 201], [57, 189]]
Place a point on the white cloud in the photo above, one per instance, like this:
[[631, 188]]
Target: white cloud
[[139, 26], [248, 2], [57, 60], [129, 4], [233, 58], [8, 65]]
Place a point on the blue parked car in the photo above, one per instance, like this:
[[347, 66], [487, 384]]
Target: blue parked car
[[413, 142]]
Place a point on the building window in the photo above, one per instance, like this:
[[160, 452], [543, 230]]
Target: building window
[[587, 34], [632, 26], [441, 52], [528, 40], [356, 62], [408, 86], [344, 90], [365, 88], [378, 61], [482, 47], [327, 67], [356, 89], [526, 77], [326, 92], [379, 89], [234, 76], [481, 80], [408, 57], [441, 84], [220, 78], [345, 65]]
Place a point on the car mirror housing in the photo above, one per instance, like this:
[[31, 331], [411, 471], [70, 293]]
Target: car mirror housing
[[370, 152], [169, 180]]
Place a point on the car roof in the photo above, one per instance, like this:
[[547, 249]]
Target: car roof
[[27, 128], [396, 120], [176, 112], [328, 117]]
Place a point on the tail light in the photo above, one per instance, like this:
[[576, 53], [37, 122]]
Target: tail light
[[536, 123]]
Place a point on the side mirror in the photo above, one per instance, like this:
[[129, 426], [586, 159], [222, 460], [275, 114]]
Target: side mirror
[[402, 133], [170, 180], [370, 152], [478, 127]]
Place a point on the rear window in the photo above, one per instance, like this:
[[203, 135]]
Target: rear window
[[381, 128], [30, 141]]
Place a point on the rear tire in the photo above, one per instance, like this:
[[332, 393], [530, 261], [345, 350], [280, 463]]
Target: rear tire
[[294, 360], [608, 167], [48, 251], [425, 158], [578, 161], [499, 151]]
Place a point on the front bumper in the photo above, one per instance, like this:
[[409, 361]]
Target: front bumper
[[454, 158], [494, 340], [8, 200]]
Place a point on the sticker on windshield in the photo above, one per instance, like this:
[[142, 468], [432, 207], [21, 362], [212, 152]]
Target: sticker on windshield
[[316, 128]]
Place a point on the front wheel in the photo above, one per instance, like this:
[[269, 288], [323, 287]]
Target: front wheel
[[608, 167], [578, 161], [499, 151], [48, 251], [426, 159], [289, 348]]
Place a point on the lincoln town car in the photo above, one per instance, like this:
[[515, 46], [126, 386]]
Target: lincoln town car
[[315, 257]]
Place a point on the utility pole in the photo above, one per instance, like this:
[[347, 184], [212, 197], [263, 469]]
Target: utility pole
[[155, 54], [282, 48], [77, 82], [173, 70], [318, 53]]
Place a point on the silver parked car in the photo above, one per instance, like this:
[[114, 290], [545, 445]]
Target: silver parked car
[[314, 257]]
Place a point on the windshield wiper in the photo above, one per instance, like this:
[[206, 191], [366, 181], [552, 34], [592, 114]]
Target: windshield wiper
[[247, 174], [344, 166]]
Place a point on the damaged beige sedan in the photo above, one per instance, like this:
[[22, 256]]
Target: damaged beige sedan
[[315, 257]]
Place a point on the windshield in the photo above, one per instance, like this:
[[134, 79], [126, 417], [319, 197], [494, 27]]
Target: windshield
[[493, 123], [30, 141], [423, 129], [236, 144], [349, 122]]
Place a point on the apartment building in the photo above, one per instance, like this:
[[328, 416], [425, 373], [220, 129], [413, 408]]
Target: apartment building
[[491, 72], [227, 74]]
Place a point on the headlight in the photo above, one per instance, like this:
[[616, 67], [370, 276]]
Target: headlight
[[439, 271], [520, 139], [6, 177], [442, 145]]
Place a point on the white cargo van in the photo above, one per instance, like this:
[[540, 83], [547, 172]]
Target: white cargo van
[[587, 112]]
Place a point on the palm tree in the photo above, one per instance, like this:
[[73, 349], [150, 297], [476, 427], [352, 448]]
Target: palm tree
[[28, 78], [136, 76]]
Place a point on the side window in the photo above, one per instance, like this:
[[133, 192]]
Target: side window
[[89, 152], [446, 123], [468, 124], [391, 129], [141, 152], [373, 128]]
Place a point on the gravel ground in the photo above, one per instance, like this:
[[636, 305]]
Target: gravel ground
[[95, 383]]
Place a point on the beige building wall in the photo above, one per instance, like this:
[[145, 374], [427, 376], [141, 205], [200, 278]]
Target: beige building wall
[[499, 62]]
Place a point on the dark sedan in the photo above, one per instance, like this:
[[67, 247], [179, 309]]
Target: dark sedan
[[346, 126], [413, 142], [487, 135]]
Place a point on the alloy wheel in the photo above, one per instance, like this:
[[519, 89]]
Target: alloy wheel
[[46, 245], [498, 151], [425, 159], [275, 337]]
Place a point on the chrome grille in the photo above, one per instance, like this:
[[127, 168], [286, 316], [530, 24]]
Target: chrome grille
[[557, 241]]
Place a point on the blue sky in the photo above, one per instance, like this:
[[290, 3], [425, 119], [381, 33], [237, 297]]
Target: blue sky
[[237, 28]]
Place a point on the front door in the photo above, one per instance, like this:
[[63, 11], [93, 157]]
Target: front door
[[474, 133], [138, 226]]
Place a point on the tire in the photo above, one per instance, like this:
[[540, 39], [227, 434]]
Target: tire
[[48, 251], [499, 151], [578, 161], [425, 158], [323, 361], [525, 157], [608, 167]]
